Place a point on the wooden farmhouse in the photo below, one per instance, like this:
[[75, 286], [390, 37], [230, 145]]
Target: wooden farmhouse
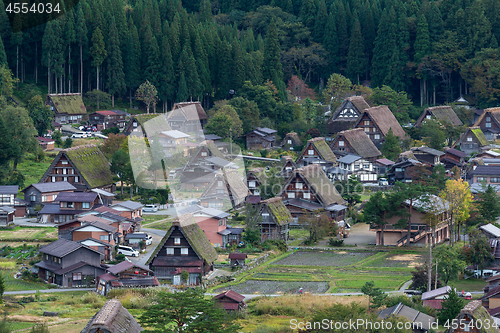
[[354, 141], [125, 274], [8, 198], [444, 114], [68, 108], [112, 318], [377, 121], [489, 123], [290, 141], [184, 247], [347, 114], [472, 141], [261, 138], [84, 167], [255, 178], [231, 301], [188, 114], [308, 189], [288, 165], [107, 119], [273, 219], [227, 190], [316, 151]]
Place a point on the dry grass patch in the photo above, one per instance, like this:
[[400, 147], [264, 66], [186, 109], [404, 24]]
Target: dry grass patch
[[28, 318], [413, 259], [301, 305]]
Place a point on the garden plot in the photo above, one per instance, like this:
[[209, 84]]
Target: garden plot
[[396, 261], [277, 287], [323, 258]]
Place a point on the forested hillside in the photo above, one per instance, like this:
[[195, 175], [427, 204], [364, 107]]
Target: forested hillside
[[434, 50]]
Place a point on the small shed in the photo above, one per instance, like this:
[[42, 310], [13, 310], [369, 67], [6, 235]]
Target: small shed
[[6, 216], [231, 301], [237, 259]]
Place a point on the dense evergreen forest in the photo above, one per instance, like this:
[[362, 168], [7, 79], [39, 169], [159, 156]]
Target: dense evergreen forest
[[202, 49]]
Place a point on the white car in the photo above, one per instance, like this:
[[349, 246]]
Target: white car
[[150, 208], [128, 251], [79, 136]]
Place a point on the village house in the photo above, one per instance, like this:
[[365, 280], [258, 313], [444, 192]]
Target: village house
[[68, 108], [230, 301], [356, 142], [434, 298], [255, 178], [112, 318], [47, 144], [187, 115], [488, 154], [39, 194], [68, 264], [66, 206], [347, 114], [393, 233], [400, 171], [485, 173], [308, 189], [427, 155], [317, 152], [172, 139], [472, 141], [376, 122], [453, 157], [125, 274], [184, 247], [85, 167], [273, 219], [290, 141], [106, 119], [261, 138], [421, 322], [105, 249], [8, 198], [444, 114], [353, 165], [227, 190], [212, 221], [288, 166], [100, 233], [489, 123], [129, 209], [383, 165], [470, 315]]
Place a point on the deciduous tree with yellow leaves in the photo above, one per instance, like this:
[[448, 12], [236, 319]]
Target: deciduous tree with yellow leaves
[[457, 194]]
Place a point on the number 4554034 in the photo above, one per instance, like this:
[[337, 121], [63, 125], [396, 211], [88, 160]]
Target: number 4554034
[[40, 8]]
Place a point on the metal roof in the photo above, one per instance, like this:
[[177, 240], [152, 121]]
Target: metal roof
[[132, 205], [491, 229], [493, 170], [102, 192], [266, 130], [115, 269], [76, 196], [212, 137], [428, 150], [348, 159], [7, 209], [435, 293], [52, 187], [175, 134], [99, 225], [9, 189], [62, 247]]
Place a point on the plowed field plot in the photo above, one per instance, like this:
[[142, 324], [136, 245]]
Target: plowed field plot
[[396, 260], [276, 287], [327, 258]]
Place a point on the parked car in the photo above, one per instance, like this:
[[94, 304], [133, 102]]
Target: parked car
[[383, 182], [147, 238], [128, 251], [79, 136], [150, 208]]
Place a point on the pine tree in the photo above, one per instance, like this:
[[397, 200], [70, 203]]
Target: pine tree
[[342, 35], [356, 59], [187, 65], [385, 45], [81, 38], [174, 39], [391, 147], [70, 38], [320, 21], [435, 23], [489, 205], [116, 77], [478, 28], [238, 66], [153, 66], [97, 51], [166, 89], [205, 11], [451, 306], [330, 42], [422, 45], [132, 60], [271, 69], [182, 91], [494, 42], [3, 55]]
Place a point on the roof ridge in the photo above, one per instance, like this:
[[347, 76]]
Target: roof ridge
[[81, 147]]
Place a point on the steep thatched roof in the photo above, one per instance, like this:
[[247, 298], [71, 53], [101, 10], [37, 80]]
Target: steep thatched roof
[[68, 103], [323, 187], [443, 113], [279, 211], [89, 161], [294, 136], [385, 120], [475, 311], [259, 173], [237, 186], [476, 133], [360, 142], [113, 317], [92, 164], [358, 102], [194, 235], [491, 112], [322, 148], [188, 109]]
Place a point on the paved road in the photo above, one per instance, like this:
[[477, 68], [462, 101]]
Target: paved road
[[31, 222], [157, 236], [360, 235]]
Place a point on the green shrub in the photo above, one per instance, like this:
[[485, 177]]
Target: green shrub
[[336, 242], [91, 298]]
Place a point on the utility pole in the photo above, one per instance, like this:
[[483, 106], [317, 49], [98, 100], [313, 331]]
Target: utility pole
[[230, 141], [436, 276]]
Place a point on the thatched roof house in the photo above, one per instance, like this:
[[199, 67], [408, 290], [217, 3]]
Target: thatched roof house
[[113, 318], [443, 114]]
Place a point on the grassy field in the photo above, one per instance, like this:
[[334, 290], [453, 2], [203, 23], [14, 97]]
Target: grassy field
[[28, 233], [32, 170]]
